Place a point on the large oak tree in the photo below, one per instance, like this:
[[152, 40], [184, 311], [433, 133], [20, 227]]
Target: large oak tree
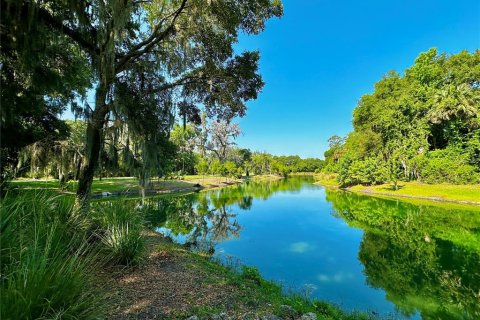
[[147, 56]]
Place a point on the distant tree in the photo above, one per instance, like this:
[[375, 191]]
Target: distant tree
[[221, 136], [416, 123], [202, 167]]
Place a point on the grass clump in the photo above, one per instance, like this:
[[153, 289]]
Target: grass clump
[[125, 243], [120, 229], [46, 261], [49, 254]]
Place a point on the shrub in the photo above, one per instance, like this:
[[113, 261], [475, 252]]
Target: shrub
[[369, 171], [447, 165]]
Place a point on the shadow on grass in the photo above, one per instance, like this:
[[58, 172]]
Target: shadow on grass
[[392, 188]]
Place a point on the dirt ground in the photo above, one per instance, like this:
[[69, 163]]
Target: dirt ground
[[169, 284]]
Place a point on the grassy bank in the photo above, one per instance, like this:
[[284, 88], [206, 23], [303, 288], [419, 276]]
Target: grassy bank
[[326, 179], [463, 194], [130, 184], [177, 283]]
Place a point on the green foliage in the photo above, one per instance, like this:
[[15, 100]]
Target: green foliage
[[120, 228], [202, 166], [125, 243], [369, 171], [216, 167], [231, 169], [423, 125], [43, 74], [448, 165], [46, 261]]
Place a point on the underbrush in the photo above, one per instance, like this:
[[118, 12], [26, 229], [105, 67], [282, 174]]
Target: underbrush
[[48, 255]]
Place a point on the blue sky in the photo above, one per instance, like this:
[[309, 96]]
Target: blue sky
[[322, 56]]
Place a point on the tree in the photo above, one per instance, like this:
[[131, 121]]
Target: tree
[[42, 74], [202, 167], [394, 168], [184, 139], [221, 135], [160, 47], [231, 169], [409, 122], [216, 167]]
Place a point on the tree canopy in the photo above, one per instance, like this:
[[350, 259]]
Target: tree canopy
[[423, 125], [145, 59]]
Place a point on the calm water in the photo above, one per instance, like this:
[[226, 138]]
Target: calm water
[[359, 252]]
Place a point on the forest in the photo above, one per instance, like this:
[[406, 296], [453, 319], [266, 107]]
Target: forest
[[422, 126]]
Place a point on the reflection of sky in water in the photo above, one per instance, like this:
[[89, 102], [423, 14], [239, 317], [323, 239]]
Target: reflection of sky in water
[[294, 239]]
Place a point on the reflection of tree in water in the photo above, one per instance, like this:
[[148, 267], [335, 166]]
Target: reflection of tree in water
[[427, 259], [207, 218]]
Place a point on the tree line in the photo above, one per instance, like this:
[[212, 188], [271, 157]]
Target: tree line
[[207, 149], [422, 126]]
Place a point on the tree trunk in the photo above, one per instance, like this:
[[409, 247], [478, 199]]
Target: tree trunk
[[93, 147]]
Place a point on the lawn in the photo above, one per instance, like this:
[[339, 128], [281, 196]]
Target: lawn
[[125, 184], [441, 192], [104, 185]]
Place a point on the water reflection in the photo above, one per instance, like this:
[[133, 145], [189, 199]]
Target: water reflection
[[423, 260], [201, 220]]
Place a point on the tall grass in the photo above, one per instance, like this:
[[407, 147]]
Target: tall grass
[[46, 260], [120, 228], [48, 254]]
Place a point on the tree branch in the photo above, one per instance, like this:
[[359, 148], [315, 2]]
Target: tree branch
[[75, 35], [156, 36]]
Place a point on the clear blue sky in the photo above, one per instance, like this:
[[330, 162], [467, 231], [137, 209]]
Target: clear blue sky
[[322, 56]]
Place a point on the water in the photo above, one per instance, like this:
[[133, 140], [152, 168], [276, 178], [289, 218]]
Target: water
[[359, 252]]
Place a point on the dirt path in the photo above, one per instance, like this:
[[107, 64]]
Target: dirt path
[[171, 283]]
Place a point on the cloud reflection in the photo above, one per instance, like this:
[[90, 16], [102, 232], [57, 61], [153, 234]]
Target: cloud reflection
[[300, 247]]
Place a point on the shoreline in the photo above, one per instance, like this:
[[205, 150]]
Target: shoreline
[[372, 192], [128, 186], [176, 283], [406, 196]]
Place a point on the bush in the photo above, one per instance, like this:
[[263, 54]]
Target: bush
[[46, 261], [367, 172], [448, 166], [125, 244]]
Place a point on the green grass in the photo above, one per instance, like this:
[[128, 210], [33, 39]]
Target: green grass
[[326, 179], [122, 184], [446, 192], [119, 227], [104, 185]]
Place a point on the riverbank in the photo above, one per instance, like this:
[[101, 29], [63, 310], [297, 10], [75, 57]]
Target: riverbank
[[460, 194], [175, 283], [129, 185]]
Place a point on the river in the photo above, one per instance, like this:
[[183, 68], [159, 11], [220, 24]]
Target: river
[[394, 258]]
